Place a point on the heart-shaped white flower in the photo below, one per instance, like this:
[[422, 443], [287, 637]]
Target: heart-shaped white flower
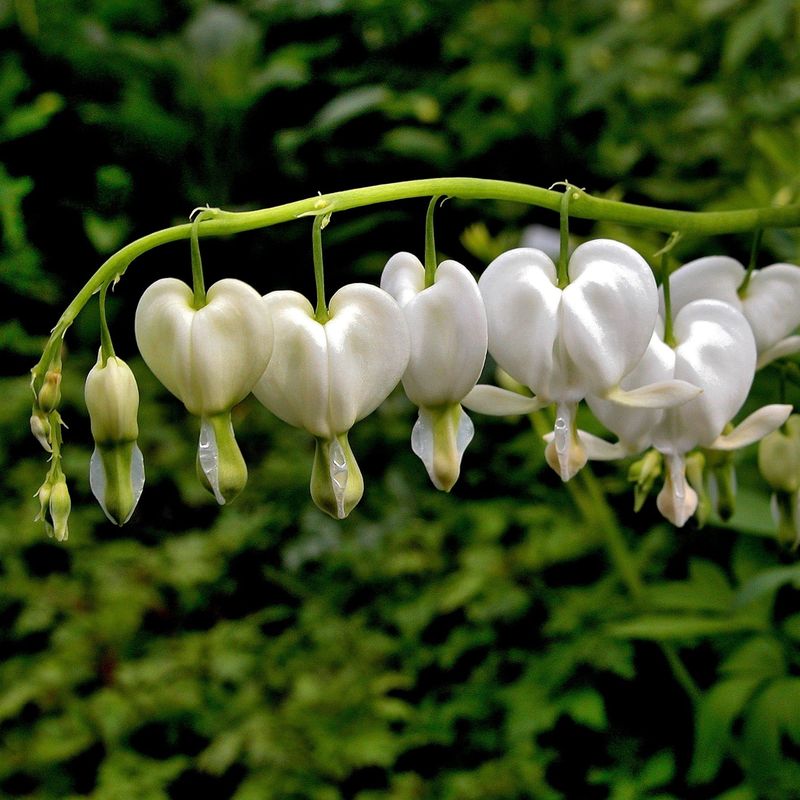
[[565, 344], [209, 358], [326, 377], [770, 302], [715, 350], [447, 328]]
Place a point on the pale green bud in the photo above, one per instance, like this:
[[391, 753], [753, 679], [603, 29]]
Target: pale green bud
[[336, 481], [779, 456], [643, 473], [786, 513], [722, 482], [116, 472], [112, 398], [60, 506], [45, 490], [40, 428], [49, 398]]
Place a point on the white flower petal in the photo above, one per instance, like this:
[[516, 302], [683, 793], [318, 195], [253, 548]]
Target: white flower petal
[[664, 394], [211, 357], [447, 328], [785, 347], [635, 427], [495, 401], [609, 312], [597, 449], [708, 278], [324, 378], [522, 301], [403, 277], [771, 303], [295, 384], [368, 351], [677, 501], [715, 351], [754, 427]]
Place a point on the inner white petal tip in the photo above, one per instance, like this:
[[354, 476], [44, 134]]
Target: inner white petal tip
[[208, 456], [337, 466]]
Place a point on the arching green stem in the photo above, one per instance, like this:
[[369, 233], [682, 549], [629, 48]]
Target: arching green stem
[[321, 311], [753, 259], [582, 206], [106, 346], [430, 243]]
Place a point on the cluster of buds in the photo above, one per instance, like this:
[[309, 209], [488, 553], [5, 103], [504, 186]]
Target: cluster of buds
[[593, 331], [53, 494]]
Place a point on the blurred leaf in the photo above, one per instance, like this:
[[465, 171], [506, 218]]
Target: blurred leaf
[[349, 105], [767, 582], [716, 712], [668, 628], [107, 235]]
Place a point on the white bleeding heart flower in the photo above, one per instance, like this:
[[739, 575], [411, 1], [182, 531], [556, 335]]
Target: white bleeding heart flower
[[565, 344], [209, 358], [324, 377], [116, 472], [447, 329], [715, 351], [633, 427], [770, 302]]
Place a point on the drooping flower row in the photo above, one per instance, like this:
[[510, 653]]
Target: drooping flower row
[[598, 338]]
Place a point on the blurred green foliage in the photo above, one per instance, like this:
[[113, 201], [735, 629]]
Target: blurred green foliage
[[516, 639]]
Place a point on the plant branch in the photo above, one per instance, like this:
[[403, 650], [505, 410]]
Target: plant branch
[[582, 206]]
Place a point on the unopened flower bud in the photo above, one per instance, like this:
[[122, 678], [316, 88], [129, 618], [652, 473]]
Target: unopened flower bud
[[779, 456], [643, 473], [112, 399], [116, 472], [60, 506], [336, 481], [722, 482], [40, 428], [50, 394], [45, 490], [786, 513]]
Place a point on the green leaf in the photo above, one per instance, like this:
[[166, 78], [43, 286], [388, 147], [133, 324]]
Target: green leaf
[[775, 710], [666, 628], [716, 712], [350, 105], [707, 589], [766, 583], [660, 769], [760, 656], [587, 708]]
